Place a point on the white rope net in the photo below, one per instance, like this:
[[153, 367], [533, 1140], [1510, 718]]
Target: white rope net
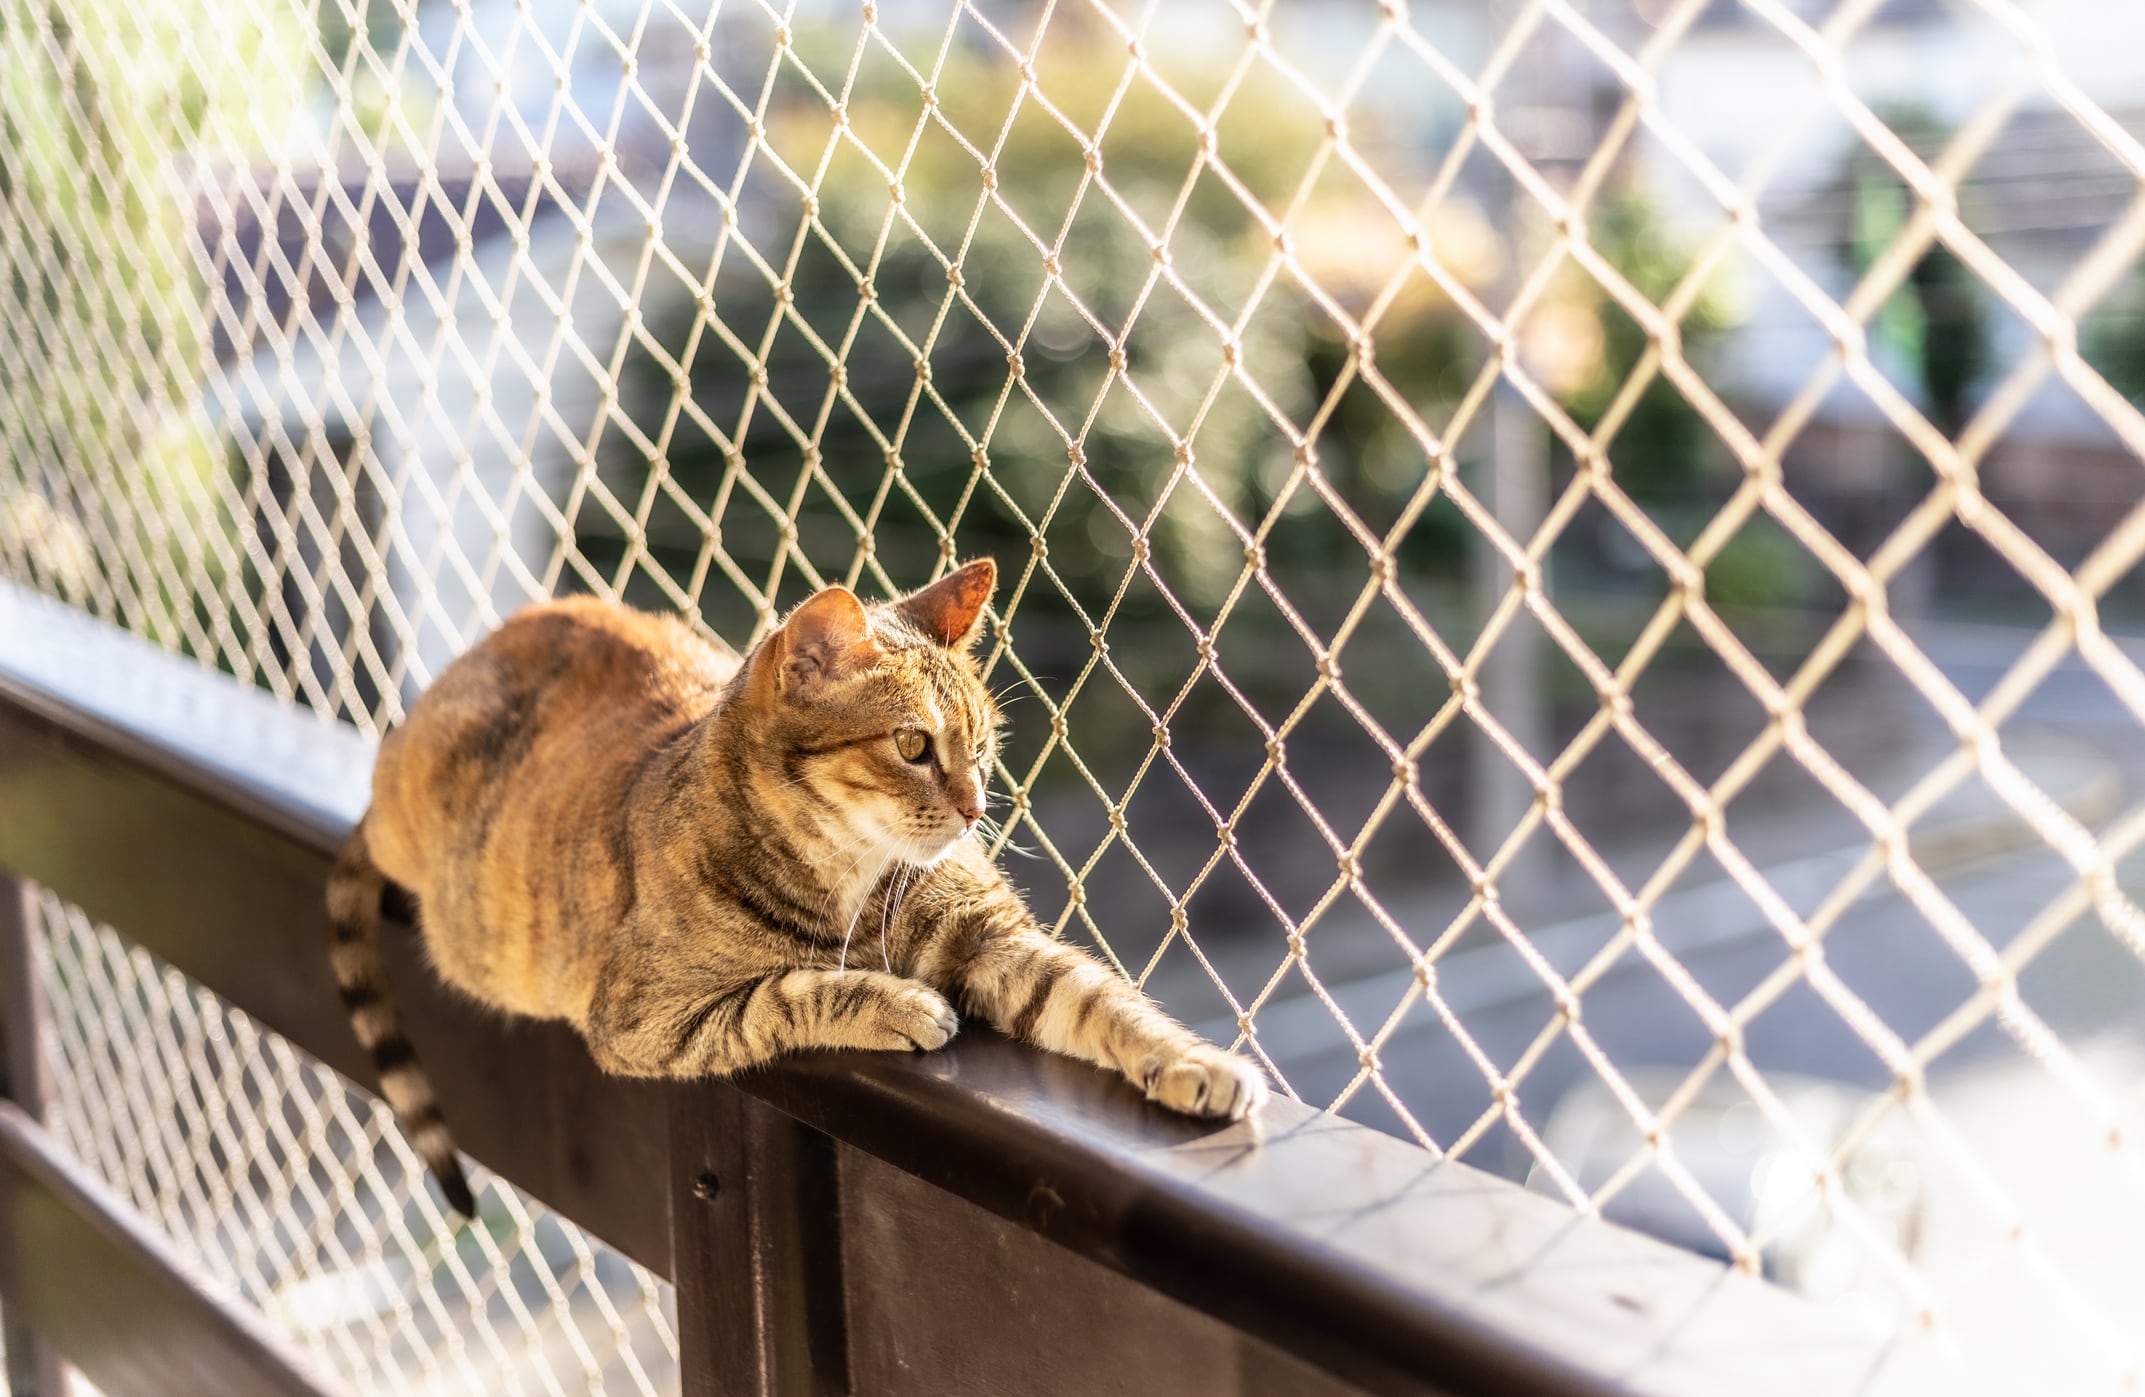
[[301, 1195], [1566, 565]]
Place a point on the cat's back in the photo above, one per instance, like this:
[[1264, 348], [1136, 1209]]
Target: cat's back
[[572, 690], [587, 650]]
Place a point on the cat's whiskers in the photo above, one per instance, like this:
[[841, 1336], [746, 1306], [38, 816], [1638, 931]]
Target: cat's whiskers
[[851, 930], [990, 831], [867, 843], [889, 907], [828, 902], [873, 836]]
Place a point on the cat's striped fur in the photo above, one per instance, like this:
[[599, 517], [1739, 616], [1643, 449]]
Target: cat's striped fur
[[703, 862]]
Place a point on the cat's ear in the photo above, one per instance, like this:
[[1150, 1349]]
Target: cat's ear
[[950, 610], [825, 639]]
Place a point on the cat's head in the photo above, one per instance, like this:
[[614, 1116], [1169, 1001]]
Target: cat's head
[[878, 719]]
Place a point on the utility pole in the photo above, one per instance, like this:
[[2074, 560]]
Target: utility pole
[[1514, 487], [1513, 484]]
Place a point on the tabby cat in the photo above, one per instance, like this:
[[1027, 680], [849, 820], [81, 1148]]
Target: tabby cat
[[702, 862]]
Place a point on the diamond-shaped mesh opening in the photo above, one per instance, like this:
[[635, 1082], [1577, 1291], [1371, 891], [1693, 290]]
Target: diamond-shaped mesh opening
[[2050, 163], [1044, 160]]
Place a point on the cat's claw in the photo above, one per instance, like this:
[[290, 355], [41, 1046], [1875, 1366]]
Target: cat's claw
[[923, 1017], [1205, 1081]]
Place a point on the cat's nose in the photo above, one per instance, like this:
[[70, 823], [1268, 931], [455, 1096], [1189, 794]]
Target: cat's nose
[[967, 798]]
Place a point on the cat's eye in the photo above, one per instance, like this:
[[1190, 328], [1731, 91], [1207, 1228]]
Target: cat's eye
[[912, 744]]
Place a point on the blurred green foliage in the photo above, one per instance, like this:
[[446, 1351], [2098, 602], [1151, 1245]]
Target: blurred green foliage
[[105, 105], [1664, 454], [1937, 322], [2114, 337]]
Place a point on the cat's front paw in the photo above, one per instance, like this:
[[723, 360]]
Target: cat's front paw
[[1205, 1081], [916, 1016]]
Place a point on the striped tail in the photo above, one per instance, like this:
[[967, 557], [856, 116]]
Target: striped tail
[[354, 888]]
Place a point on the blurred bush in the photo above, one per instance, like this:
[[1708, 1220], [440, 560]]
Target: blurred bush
[[116, 465]]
